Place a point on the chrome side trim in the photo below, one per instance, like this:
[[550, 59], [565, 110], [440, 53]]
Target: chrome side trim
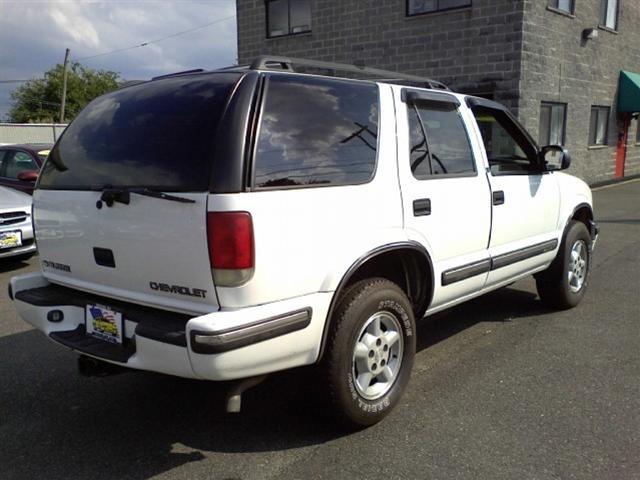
[[476, 268], [523, 253], [465, 271], [230, 339]]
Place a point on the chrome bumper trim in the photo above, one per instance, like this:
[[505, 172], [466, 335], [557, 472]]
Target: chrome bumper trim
[[230, 339]]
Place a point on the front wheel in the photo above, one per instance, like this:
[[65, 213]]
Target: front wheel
[[564, 283], [370, 351]]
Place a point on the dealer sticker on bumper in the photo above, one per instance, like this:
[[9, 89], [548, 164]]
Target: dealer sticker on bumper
[[10, 239], [104, 323]]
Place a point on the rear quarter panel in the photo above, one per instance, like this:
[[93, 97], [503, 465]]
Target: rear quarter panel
[[307, 238]]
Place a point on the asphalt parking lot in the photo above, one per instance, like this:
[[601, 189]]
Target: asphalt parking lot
[[501, 389]]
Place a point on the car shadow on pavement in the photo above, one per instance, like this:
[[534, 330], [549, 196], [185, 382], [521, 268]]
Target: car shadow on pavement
[[504, 305], [138, 425], [12, 265]]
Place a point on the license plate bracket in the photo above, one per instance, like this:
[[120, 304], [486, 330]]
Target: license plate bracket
[[104, 323]]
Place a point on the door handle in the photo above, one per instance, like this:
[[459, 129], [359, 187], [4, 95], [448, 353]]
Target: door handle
[[498, 197], [422, 207]]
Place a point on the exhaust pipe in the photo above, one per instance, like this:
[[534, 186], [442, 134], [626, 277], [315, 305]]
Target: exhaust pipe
[[234, 395], [91, 367]]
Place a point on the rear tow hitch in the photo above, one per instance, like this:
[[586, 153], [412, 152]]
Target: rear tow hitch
[[234, 395], [91, 367]]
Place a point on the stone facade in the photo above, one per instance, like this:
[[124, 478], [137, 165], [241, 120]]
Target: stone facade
[[519, 52], [559, 66]]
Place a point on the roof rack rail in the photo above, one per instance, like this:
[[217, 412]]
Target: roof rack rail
[[129, 83], [175, 74], [271, 62]]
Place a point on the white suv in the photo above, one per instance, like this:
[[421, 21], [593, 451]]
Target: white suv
[[224, 225]]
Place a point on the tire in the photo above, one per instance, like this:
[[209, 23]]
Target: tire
[[564, 283], [370, 352]]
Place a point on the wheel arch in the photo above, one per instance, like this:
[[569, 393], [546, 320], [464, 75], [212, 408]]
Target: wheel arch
[[583, 212], [414, 274]]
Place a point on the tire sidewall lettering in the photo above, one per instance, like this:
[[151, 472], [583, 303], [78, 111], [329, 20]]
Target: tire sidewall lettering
[[397, 309]]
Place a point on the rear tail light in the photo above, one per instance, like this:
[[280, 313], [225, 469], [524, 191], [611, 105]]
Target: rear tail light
[[231, 252]]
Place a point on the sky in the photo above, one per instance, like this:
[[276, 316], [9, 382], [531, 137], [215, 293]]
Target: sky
[[35, 33]]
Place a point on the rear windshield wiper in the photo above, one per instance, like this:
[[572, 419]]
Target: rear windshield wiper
[[122, 195], [155, 194]]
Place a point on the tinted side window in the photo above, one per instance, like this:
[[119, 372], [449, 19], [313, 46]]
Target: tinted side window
[[439, 144], [3, 154], [317, 131], [20, 162], [508, 149]]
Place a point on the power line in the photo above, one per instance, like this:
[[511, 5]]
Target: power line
[[144, 44]]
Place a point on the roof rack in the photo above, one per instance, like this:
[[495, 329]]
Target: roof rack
[[269, 62], [176, 74]]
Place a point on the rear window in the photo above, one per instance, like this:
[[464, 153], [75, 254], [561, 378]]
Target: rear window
[[158, 134], [317, 132]]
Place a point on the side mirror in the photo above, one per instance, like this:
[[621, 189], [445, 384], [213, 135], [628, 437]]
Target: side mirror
[[554, 157], [28, 176]]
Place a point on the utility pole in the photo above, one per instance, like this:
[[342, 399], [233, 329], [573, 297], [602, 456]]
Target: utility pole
[[64, 84]]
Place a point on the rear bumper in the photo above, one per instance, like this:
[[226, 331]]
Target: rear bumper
[[28, 247], [222, 345]]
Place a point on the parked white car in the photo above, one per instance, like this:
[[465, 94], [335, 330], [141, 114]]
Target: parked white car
[[224, 225], [16, 229]]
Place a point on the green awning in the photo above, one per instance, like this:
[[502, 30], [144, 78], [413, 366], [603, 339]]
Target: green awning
[[629, 92]]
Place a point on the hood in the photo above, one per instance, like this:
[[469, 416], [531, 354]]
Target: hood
[[11, 199]]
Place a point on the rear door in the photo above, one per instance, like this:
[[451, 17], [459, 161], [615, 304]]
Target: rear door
[[100, 224], [445, 193]]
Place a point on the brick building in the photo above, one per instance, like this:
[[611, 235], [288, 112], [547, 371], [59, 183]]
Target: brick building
[[556, 63]]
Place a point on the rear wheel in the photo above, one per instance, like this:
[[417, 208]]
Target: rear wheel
[[370, 351], [564, 283]]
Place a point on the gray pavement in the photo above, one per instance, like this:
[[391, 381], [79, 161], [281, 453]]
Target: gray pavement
[[501, 389]]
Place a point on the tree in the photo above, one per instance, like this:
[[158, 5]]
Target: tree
[[38, 100]]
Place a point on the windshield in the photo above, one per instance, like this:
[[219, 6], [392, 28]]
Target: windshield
[[158, 134]]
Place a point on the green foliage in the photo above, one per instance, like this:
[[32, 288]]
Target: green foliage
[[39, 100]]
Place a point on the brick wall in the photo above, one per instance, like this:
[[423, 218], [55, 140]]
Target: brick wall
[[558, 66], [632, 165], [475, 50], [518, 50]]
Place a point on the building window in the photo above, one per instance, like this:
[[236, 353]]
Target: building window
[[599, 125], [288, 17], [564, 5], [609, 14], [418, 7], [552, 123]]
